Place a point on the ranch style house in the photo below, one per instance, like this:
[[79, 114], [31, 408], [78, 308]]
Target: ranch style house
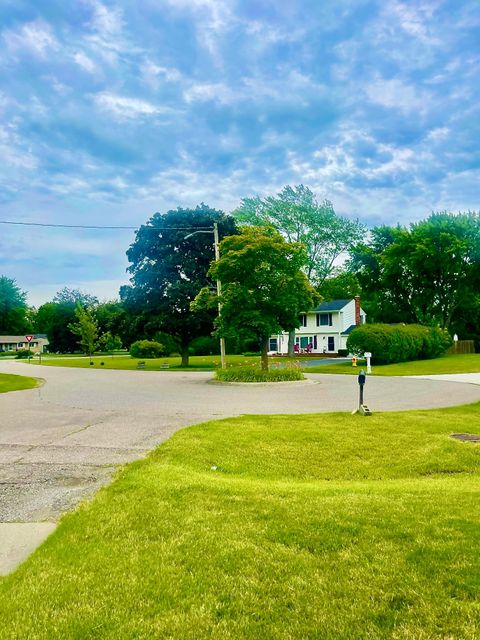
[[38, 344]]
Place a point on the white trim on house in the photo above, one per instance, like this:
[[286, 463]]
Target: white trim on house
[[38, 344], [325, 329]]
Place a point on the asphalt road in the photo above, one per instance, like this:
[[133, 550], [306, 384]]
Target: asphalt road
[[60, 442]]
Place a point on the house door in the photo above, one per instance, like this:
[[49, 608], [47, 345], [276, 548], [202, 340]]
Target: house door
[[331, 343]]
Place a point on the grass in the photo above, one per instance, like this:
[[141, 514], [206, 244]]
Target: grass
[[10, 382], [255, 374], [322, 526], [463, 363]]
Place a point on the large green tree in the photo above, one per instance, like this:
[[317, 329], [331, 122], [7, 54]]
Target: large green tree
[[263, 286], [55, 318], [299, 217], [13, 308], [169, 261], [427, 274]]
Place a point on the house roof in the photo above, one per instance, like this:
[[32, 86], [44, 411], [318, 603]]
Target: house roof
[[349, 330], [22, 338], [332, 305]]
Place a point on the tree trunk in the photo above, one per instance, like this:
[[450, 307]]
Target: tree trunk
[[185, 356], [291, 343], [265, 354]]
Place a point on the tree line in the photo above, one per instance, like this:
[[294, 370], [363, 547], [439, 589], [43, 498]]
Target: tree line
[[279, 255]]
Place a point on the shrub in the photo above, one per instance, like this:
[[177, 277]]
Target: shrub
[[343, 353], [146, 349], [398, 343], [23, 353], [7, 353], [255, 374]]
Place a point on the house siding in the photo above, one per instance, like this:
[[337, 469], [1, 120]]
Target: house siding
[[342, 319]]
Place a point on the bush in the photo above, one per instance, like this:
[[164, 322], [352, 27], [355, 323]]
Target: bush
[[398, 343], [343, 353], [146, 349], [255, 374], [7, 353], [23, 353], [171, 345]]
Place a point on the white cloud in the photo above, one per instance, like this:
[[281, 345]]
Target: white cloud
[[36, 37], [106, 20], [126, 108], [84, 61], [153, 74], [207, 91], [397, 94]]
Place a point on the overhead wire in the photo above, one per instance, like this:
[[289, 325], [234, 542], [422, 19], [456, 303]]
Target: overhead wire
[[104, 227]]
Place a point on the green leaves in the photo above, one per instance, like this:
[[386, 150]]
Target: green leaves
[[297, 215], [263, 287]]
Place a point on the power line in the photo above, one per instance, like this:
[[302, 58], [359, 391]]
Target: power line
[[86, 226]]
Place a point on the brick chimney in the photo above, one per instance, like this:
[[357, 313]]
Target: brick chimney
[[358, 319]]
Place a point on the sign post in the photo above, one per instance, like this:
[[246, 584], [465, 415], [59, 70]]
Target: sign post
[[368, 355], [29, 339], [362, 408]]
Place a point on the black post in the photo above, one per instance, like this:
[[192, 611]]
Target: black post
[[361, 381]]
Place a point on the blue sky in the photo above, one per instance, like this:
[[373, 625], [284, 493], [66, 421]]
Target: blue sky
[[110, 111]]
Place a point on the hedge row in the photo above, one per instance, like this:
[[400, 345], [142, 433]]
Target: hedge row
[[398, 343]]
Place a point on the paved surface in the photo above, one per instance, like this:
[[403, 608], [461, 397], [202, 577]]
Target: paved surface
[[60, 442], [469, 378], [19, 539]]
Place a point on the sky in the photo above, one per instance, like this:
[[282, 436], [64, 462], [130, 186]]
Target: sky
[[111, 111]]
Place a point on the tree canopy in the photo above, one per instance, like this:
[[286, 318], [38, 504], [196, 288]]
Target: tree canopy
[[169, 261], [13, 308], [424, 274], [299, 217], [263, 286]]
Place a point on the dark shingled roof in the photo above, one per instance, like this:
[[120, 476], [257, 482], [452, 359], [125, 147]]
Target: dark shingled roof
[[349, 330], [332, 305]]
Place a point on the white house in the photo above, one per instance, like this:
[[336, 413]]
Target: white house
[[324, 329], [38, 343]]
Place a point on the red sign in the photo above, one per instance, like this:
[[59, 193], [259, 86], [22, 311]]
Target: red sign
[[28, 338]]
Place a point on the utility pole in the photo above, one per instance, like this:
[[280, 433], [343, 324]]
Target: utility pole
[[216, 242], [219, 291]]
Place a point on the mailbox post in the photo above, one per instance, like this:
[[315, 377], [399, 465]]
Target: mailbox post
[[362, 407], [368, 355]]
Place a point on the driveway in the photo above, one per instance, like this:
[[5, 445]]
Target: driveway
[[60, 442]]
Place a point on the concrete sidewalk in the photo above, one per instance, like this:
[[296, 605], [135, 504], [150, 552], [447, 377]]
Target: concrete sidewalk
[[466, 378]]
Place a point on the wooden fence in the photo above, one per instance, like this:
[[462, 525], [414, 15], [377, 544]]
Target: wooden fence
[[462, 346]]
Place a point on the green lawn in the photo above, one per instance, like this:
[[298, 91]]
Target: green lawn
[[328, 526], [463, 363], [200, 363], [16, 383], [469, 363]]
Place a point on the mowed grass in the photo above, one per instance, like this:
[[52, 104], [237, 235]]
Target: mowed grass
[[462, 363], [288, 527], [197, 363], [10, 382], [465, 363]]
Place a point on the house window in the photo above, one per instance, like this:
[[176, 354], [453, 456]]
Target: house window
[[324, 320], [273, 346], [303, 320], [331, 343]]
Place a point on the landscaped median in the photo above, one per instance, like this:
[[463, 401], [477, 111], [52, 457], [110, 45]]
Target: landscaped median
[[315, 526], [10, 382]]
